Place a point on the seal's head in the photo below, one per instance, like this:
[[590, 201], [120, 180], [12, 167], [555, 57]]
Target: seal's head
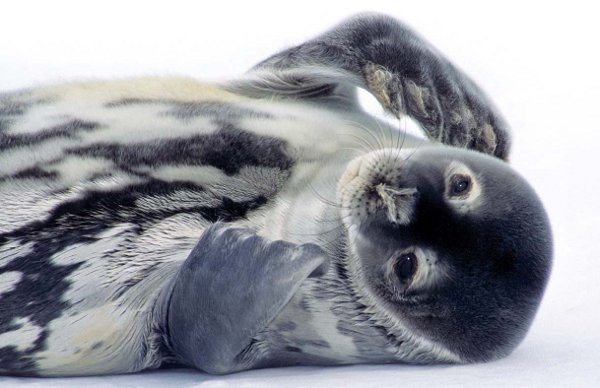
[[449, 245]]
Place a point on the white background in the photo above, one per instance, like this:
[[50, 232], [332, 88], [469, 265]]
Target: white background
[[539, 61]]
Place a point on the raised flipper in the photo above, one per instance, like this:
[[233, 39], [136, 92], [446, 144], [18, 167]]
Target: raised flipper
[[229, 288], [404, 72]]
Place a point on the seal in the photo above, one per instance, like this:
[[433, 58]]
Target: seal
[[267, 220]]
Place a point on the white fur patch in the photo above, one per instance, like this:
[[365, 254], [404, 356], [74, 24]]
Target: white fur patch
[[97, 340], [24, 202], [8, 281], [320, 324], [22, 338], [108, 336], [75, 169]]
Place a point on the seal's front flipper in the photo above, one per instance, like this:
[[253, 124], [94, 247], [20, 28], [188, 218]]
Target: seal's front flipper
[[228, 289], [404, 72]]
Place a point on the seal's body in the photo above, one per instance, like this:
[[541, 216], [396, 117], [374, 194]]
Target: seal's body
[[265, 221]]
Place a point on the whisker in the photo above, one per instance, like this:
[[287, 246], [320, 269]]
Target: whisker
[[400, 144], [330, 241], [324, 200], [337, 219], [382, 133], [355, 150], [320, 233], [362, 141], [368, 131], [416, 149]]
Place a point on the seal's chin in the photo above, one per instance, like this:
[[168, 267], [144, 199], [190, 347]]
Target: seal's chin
[[371, 189]]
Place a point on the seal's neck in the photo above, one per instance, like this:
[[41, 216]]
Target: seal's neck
[[324, 323]]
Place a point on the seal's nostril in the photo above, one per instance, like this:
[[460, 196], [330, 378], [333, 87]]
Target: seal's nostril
[[398, 203]]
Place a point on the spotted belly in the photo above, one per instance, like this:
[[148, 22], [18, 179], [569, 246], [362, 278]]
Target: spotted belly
[[102, 195]]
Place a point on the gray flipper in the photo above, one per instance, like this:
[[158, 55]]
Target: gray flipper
[[229, 288], [405, 73]]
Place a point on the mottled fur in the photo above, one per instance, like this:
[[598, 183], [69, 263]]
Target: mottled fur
[[107, 187]]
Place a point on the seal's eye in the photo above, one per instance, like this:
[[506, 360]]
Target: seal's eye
[[460, 184], [406, 266]]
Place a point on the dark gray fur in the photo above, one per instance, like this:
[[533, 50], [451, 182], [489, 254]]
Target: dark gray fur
[[213, 149]]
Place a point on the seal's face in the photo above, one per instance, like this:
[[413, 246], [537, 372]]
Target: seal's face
[[447, 244]]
